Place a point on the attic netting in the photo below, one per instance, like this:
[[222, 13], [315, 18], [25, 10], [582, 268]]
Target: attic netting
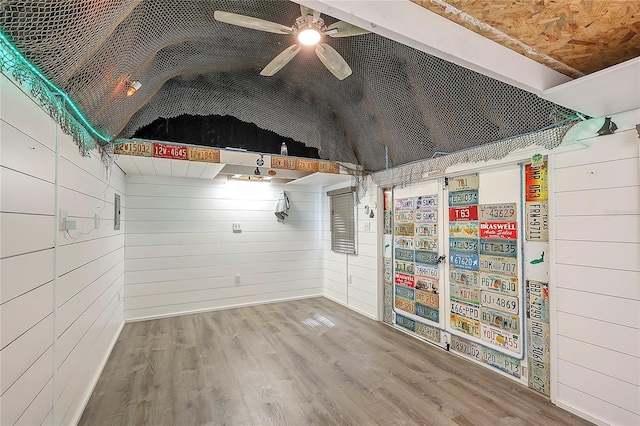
[[399, 105]]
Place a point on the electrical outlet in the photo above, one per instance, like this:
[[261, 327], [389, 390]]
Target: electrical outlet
[[118, 297], [97, 221], [367, 226], [237, 279], [237, 227]]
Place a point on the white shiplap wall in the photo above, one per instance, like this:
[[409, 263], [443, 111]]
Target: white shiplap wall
[[352, 280], [59, 309], [182, 255], [596, 208]]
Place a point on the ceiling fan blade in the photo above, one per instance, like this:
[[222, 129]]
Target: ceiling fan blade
[[281, 60], [345, 29], [333, 61], [306, 12], [250, 22]]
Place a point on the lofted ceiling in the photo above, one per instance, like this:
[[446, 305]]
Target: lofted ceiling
[[422, 84]]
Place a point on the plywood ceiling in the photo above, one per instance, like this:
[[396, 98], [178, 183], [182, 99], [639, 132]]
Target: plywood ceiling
[[575, 37]]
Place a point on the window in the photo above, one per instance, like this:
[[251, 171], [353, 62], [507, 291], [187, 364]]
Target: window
[[343, 220]]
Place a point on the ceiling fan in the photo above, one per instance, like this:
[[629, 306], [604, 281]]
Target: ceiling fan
[[310, 29]]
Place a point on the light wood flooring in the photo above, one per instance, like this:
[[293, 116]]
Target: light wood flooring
[[310, 361]]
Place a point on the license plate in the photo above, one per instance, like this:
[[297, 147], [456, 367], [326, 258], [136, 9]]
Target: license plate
[[500, 302], [388, 294], [427, 284], [504, 212], [427, 271], [141, 149], [463, 277], [405, 292], [387, 270], [426, 202], [405, 305], [536, 183], [405, 229], [426, 216], [404, 204], [539, 380], [465, 261], [328, 167], [539, 338], [286, 163], [404, 216], [499, 265], [499, 230], [403, 242], [428, 332], [406, 255], [501, 338], [407, 323], [501, 320], [499, 248], [463, 198], [501, 361], [428, 299], [499, 283], [465, 325], [463, 229], [427, 230], [467, 348], [466, 310], [463, 183], [404, 279], [305, 165], [463, 245], [204, 155], [428, 257], [175, 152], [537, 221], [427, 313], [387, 222], [428, 244], [405, 267], [465, 293], [465, 214], [538, 301]]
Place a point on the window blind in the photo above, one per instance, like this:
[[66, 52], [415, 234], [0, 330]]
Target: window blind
[[343, 222]]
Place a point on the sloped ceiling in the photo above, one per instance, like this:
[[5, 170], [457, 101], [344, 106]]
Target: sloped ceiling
[[403, 102]]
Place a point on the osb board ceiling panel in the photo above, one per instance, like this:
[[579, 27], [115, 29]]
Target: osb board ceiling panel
[[575, 37]]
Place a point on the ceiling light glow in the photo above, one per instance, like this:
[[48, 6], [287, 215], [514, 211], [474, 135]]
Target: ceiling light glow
[[309, 37]]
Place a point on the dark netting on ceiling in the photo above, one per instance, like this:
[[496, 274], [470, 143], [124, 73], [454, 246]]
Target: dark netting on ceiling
[[398, 100]]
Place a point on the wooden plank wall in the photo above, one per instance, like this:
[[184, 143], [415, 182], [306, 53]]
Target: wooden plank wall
[[360, 293], [182, 255], [58, 320], [597, 278]]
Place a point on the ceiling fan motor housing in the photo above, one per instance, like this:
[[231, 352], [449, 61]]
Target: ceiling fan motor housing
[[302, 24]]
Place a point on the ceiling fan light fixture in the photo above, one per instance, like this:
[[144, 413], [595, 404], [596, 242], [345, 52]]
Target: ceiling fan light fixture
[[309, 36], [133, 88]]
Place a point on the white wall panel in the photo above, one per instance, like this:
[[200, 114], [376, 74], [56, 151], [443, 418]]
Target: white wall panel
[[25, 154], [42, 193], [25, 233], [20, 274]]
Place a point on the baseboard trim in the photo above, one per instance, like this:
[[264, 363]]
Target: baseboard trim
[[580, 414], [371, 317]]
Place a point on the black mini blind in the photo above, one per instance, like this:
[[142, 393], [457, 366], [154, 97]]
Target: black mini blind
[[343, 221]]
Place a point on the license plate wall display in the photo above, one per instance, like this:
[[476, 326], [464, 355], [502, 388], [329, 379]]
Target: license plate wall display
[[538, 336], [387, 257]]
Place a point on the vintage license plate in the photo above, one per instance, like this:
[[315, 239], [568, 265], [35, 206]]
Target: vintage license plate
[[405, 229], [405, 267], [463, 198], [503, 212], [403, 242], [426, 216], [464, 214], [538, 301], [427, 244], [466, 310], [428, 332], [427, 312], [305, 165], [428, 257], [405, 292], [174, 152], [465, 325], [427, 271], [501, 338], [502, 320], [140, 149], [538, 339], [428, 299], [466, 347], [404, 279], [465, 261], [536, 185], [387, 222], [506, 248], [463, 245], [286, 163], [540, 380], [427, 202], [499, 302], [427, 230], [405, 305], [407, 323], [404, 216], [406, 255], [501, 361], [463, 277], [204, 155], [328, 167], [463, 183], [404, 203], [536, 221], [464, 293], [427, 284], [388, 294], [499, 265], [388, 273], [499, 230], [499, 283], [463, 229]]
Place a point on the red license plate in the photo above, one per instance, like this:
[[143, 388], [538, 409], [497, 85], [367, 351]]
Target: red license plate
[[175, 152], [465, 213]]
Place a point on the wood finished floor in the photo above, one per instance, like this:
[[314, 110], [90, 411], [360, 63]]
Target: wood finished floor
[[303, 362]]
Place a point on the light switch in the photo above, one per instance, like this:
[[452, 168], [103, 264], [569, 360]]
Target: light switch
[[237, 227]]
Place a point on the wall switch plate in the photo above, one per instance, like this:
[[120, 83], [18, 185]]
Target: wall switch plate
[[236, 279], [63, 219], [237, 227], [367, 226], [97, 221]]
